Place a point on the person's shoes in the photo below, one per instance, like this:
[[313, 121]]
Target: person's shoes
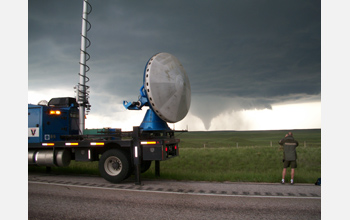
[[291, 182], [282, 181]]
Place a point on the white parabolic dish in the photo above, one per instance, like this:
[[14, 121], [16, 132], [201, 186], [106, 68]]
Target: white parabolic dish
[[167, 87]]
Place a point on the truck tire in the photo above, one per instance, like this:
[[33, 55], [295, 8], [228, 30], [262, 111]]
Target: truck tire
[[145, 165], [114, 165]]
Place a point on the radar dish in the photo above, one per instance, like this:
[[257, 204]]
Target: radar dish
[[167, 87]]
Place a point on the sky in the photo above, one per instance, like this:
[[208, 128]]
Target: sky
[[252, 65]]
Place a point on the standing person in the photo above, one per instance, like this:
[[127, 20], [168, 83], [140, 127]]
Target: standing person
[[289, 155]]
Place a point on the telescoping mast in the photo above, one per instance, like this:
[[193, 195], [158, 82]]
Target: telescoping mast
[[82, 93]]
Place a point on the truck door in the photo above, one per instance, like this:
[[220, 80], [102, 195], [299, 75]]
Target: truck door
[[34, 122]]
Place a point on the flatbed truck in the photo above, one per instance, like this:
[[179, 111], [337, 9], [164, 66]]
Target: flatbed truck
[[54, 140]]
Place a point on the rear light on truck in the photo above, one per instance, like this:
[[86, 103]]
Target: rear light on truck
[[48, 144]]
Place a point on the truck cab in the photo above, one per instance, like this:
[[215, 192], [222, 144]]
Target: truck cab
[[49, 123]]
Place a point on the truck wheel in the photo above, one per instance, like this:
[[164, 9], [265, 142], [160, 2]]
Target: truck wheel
[[145, 165], [114, 165]]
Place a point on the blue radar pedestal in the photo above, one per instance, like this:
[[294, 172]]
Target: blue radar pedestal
[[166, 90]]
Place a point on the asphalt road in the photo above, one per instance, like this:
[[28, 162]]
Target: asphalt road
[[84, 197]]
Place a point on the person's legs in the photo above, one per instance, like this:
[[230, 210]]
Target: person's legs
[[292, 176], [292, 172], [286, 164], [283, 174]]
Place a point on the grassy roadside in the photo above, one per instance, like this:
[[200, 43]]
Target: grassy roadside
[[246, 164], [216, 156]]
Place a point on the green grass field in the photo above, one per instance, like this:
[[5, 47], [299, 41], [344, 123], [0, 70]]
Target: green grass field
[[237, 156]]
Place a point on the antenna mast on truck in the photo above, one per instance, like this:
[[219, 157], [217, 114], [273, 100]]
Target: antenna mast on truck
[[82, 93]]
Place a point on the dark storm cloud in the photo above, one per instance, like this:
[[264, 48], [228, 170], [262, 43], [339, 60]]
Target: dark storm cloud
[[257, 52], [53, 44]]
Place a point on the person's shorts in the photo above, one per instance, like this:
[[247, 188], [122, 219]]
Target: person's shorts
[[292, 164]]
